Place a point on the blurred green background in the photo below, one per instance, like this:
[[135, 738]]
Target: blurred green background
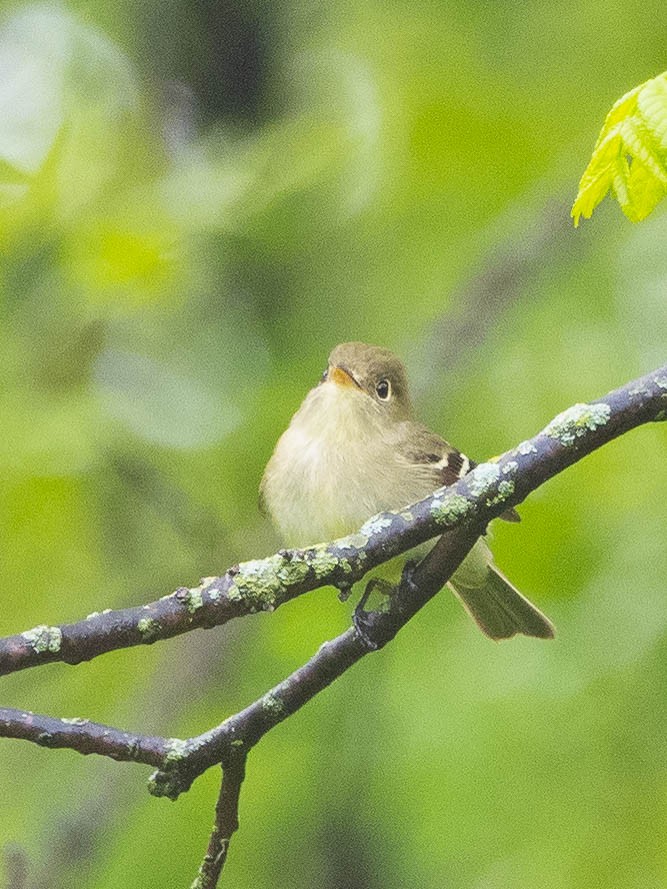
[[198, 199]]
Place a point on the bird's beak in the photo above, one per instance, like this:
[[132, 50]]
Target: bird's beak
[[342, 377]]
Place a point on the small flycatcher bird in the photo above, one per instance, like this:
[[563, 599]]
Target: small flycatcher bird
[[354, 449]]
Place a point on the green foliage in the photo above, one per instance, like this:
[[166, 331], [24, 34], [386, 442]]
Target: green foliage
[[170, 286], [630, 155]]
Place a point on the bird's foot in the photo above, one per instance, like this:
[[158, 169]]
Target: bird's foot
[[344, 591], [408, 574], [365, 621]]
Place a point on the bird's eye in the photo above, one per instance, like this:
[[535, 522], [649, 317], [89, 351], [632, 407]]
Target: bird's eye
[[324, 375], [383, 389]]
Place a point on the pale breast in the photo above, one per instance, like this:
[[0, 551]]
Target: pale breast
[[332, 469]]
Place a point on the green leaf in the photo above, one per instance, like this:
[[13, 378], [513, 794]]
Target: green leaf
[[630, 155]]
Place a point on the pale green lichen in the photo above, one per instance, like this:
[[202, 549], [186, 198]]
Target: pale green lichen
[[149, 628], [169, 780], [661, 382], [661, 415], [190, 597], [451, 510], [273, 706], [510, 467], [525, 448], [43, 638], [194, 599], [323, 562], [505, 490], [482, 477], [375, 524], [237, 742], [354, 541], [261, 582], [214, 594], [234, 593], [74, 720], [177, 750], [576, 421], [292, 571]]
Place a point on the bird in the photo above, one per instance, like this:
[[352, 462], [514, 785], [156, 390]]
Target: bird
[[354, 449]]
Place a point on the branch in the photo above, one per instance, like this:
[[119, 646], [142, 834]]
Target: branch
[[83, 736], [16, 867], [226, 823], [242, 731], [474, 306], [265, 584], [458, 513]]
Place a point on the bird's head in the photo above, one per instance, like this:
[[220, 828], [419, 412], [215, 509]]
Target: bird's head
[[373, 375]]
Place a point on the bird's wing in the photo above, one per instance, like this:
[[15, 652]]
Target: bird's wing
[[431, 452], [448, 464]]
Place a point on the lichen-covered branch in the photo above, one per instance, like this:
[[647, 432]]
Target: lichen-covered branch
[[265, 584], [258, 585], [242, 731], [83, 736], [457, 514]]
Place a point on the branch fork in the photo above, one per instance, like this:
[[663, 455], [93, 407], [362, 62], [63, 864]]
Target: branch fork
[[457, 515]]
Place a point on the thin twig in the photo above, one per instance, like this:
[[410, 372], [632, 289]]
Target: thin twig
[[245, 729], [521, 253], [83, 736], [226, 823]]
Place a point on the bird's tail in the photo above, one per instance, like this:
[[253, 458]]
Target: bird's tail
[[498, 607]]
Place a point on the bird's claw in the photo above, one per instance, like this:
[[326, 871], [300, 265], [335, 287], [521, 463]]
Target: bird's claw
[[365, 621], [408, 574]]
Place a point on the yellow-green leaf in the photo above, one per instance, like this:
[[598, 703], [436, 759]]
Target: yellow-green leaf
[[630, 155]]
